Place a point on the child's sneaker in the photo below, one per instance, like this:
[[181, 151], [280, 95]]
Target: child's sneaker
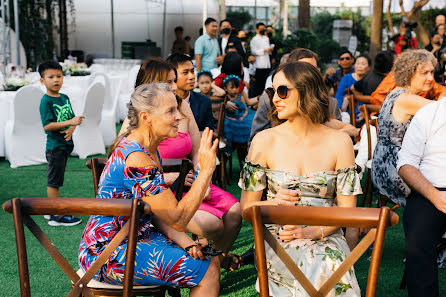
[[64, 221], [47, 217]]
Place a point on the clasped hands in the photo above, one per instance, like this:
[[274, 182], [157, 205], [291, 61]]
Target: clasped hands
[[290, 198]]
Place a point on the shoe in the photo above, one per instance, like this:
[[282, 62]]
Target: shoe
[[47, 217], [64, 221]]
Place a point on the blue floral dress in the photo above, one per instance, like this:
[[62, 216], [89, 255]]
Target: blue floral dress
[[158, 260], [316, 258], [237, 125]]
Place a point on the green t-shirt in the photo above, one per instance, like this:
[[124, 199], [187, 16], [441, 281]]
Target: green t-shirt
[[56, 109]]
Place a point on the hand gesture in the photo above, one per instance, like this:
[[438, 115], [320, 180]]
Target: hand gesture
[[76, 120], [440, 201], [195, 252], [290, 232], [330, 71], [219, 59], [251, 59], [68, 133], [189, 179], [207, 154], [231, 107], [287, 197]]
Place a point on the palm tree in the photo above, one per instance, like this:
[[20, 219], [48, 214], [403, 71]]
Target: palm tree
[[304, 14]]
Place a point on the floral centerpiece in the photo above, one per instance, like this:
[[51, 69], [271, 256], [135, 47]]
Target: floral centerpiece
[[14, 78], [71, 67]]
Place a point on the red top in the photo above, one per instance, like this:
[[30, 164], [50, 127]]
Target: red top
[[398, 47], [219, 82]]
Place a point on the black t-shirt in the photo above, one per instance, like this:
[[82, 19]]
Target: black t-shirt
[[368, 84]]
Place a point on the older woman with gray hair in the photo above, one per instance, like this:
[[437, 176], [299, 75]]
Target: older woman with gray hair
[[414, 73]]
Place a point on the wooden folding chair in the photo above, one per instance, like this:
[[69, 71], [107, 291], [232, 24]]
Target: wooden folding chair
[[368, 189], [376, 219], [183, 166], [351, 106], [23, 208], [220, 174]]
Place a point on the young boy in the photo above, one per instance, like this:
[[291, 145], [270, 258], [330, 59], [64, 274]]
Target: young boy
[[59, 122]]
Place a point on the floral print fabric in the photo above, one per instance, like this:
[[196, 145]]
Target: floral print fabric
[[317, 259], [158, 260]]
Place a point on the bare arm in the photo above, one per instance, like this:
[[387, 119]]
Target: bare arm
[[198, 62], [359, 96], [413, 177], [219, 92], [407, 105], [164, 205], [55, 126], [193, 132], [341, 126]]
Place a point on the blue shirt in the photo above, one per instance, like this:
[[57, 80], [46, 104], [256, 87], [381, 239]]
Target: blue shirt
[[209, 49], [346, 82]]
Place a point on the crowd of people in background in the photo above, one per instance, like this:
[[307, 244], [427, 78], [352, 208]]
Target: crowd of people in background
[[287, 116]]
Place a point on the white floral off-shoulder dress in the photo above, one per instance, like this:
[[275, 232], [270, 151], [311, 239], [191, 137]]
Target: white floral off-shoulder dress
[[317, 259]]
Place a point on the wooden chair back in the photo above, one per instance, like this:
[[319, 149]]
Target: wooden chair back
[[221, 118], [183, 166], [376, 219], [23, 208], [351, 107], [365, 112]]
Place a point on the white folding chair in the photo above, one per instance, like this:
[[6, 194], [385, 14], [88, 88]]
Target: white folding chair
[[127, 90], [108, 119], [87, 137], [25, 139]]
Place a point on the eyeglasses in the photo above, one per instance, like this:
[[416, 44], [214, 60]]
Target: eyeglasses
[[282, 92], [345, 58]]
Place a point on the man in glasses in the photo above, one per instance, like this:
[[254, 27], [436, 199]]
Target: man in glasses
[[345, 62]]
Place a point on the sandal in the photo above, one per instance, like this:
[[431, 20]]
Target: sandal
[[231, 262]]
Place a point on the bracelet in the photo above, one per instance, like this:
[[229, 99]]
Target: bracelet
[[323, 238]]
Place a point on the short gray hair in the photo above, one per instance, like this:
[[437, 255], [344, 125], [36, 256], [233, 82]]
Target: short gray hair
[[407, 63]]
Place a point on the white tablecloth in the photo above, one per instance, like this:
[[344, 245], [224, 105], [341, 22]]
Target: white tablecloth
[[74, 87], [6, 113]]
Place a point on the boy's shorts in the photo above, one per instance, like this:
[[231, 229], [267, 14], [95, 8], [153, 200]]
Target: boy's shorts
[[57, 161]]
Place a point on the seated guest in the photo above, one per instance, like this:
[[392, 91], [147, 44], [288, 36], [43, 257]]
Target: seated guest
[[421, 164], [218, 218], [200, 104], [363, 88], [435, 91], [275, 162], [134, 171], [345, 62], [413, 74], [362, 66], [261, 119]]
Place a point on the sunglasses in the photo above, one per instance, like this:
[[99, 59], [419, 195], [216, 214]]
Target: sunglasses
[[282, 92], [345, 58]]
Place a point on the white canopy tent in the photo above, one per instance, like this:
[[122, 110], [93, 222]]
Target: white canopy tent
[[136, 20]]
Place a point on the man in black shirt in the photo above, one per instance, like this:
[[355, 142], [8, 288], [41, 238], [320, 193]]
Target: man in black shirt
[[227, 39]]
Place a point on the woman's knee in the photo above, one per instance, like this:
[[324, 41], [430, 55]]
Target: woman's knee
[[234, 215], [209, 225]]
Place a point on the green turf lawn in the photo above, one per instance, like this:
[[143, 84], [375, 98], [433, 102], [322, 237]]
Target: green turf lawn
[[48, 280]]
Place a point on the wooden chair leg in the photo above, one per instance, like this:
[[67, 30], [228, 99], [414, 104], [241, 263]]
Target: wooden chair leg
[[230, 168]]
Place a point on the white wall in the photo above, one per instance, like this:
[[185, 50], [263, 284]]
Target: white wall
[[135, 20]]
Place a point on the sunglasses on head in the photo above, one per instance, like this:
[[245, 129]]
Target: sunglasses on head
[[345, 58], [282, 92]]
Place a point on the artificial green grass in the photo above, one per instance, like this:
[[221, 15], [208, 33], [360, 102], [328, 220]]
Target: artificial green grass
[[47, 279]]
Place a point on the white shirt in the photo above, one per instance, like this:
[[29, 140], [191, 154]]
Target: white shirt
[[224, 43], [259, 44], [424, 144]]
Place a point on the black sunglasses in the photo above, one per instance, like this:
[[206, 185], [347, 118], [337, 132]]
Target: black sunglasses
[[282, 92], [345, 58]]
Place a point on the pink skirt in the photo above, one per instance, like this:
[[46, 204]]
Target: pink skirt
[[219, 203]]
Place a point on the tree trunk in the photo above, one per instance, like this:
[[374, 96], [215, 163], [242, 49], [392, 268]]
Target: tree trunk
[[304, 14], [63, 28], [389, 19], [414, 16], [376, 36], [222, 9]]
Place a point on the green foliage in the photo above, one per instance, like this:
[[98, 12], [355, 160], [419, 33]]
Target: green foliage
[[322, 24], [239, 18], [427, 17]]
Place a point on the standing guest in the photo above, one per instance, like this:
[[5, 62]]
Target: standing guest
[[345, 62], [440, 20], [206, 47], [165, 254], [200, 104], [59, 122], [404, 39], [414, 70], [262, 49], [362, 67], [276, 163], [421, 164], [227, 39], [243, 39], [273, 42], [180, 45], [363, 88], [191, 49]]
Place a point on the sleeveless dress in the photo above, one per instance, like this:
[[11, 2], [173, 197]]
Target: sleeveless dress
[[220, 201], [390, 137], [238, 124], [317, 259], [158, 260]]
